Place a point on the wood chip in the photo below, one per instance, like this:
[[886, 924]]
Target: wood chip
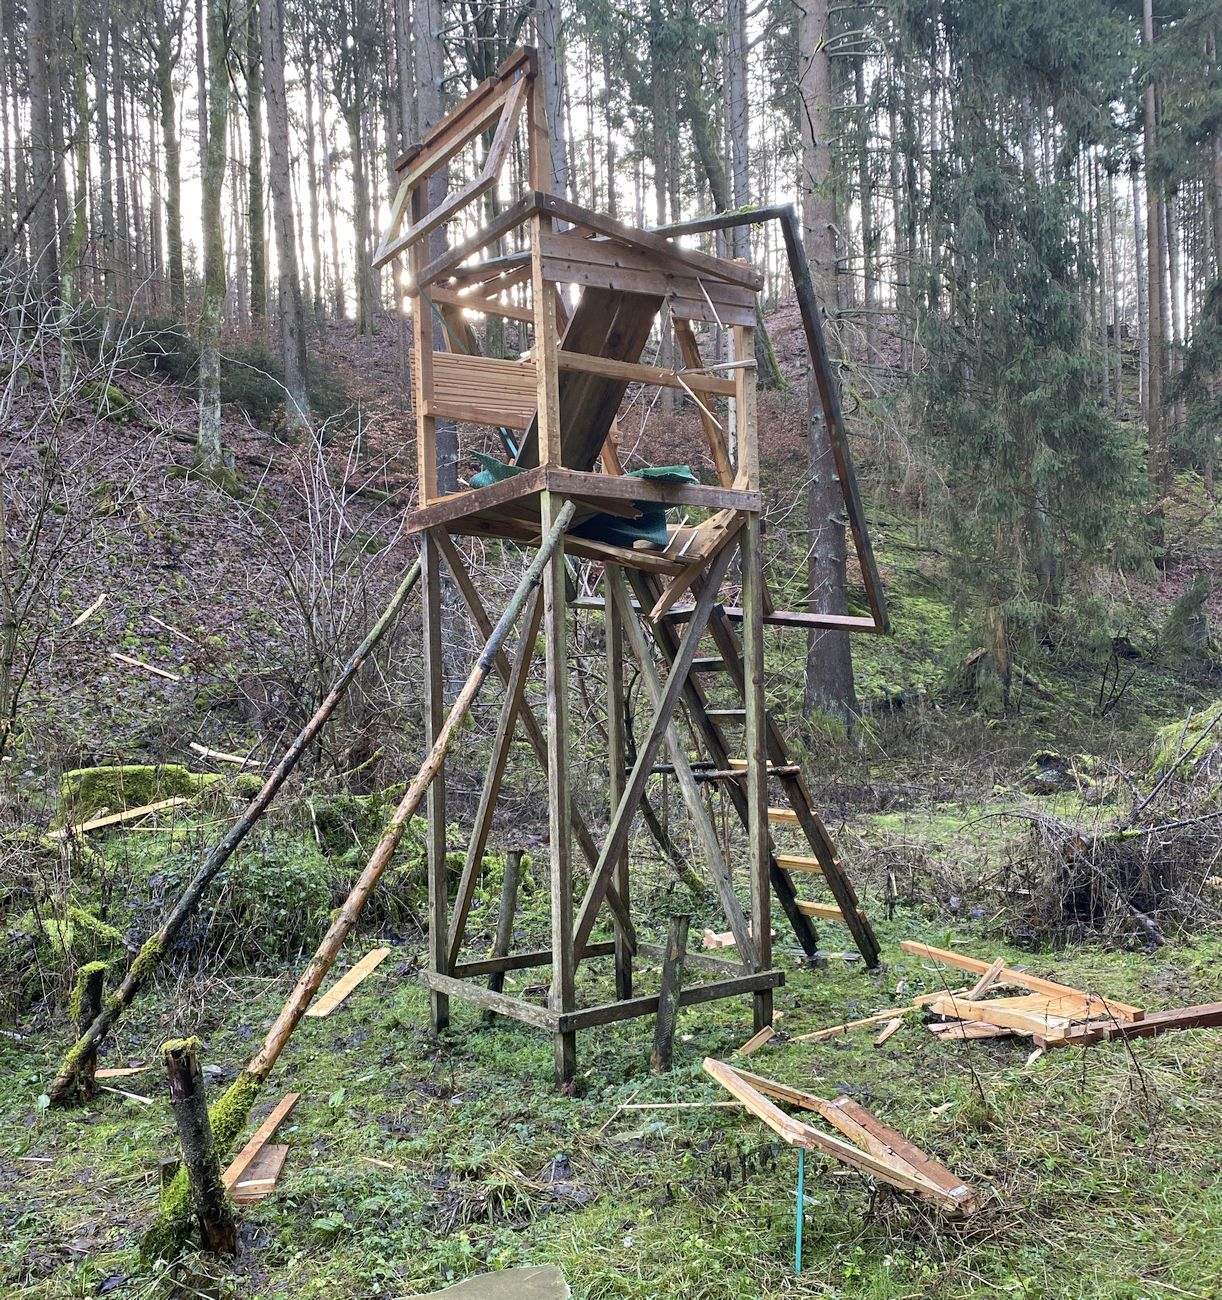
[[888, 1030]]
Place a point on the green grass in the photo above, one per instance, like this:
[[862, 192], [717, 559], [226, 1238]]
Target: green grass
[[415, 1162]]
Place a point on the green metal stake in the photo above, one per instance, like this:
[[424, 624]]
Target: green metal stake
[[797, 1236]]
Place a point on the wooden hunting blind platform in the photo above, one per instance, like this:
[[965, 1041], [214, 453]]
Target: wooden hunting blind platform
[[592, 293]]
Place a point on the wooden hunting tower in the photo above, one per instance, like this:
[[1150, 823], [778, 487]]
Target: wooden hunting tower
[[592, 291]]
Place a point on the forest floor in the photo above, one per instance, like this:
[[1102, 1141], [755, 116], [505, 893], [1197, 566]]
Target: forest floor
[[416, 1161]]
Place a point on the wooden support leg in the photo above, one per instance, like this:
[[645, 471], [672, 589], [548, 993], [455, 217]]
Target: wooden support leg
[[208, 1198], [616, 755], [434, 712], [758, 850], [504, 921], [562, 997], [668, 996]]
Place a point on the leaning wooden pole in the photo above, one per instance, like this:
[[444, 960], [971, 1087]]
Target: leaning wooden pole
[[230, 1112], [67, 1084]]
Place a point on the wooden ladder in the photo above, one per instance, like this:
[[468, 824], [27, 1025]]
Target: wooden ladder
[[710, 722]]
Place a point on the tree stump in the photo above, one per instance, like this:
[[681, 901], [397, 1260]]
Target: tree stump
[[85, 1006], [209, 1200], [668, 997]]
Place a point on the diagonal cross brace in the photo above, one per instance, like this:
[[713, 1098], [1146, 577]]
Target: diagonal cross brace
[[718, 871], [530, 725], [621, 822]]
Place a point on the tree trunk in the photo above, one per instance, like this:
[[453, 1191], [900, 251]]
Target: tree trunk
[[829, 664], [257, 216], [208, 451], [292, 314], [365, 322], [70, 265], [168, 105], [42, 155], [869, 285], [1157, 460], [1143, 305], [307, 80]]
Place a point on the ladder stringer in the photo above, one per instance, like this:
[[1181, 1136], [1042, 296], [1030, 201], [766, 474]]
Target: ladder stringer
[[646, 588]]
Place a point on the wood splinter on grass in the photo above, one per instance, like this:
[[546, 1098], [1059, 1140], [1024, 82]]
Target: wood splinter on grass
[[338, 993], [756, 1041], [889, 1029]]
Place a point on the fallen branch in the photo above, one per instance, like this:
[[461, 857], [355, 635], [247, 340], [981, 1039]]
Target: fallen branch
[[149, 958]]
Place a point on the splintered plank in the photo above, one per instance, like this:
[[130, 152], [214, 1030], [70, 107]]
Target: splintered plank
[[1121, 1010], [605, 324], [113, 819], [340, 990], [754, 1091], [262, 1136], [997, 1013], [833, 1031], [259, 1180], [966, 1029], [1205, 1015], [756, 1041]]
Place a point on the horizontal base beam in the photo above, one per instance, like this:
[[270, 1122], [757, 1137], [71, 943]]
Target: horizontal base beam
[[569, 1021], [523, 960]]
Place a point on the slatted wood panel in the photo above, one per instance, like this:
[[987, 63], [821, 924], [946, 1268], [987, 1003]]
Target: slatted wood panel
[[607, 264], [605, 324], [483, 390]]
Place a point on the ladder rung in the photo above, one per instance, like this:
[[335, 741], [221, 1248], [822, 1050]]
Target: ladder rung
[[726, 713], [791, 769], [791, 863], [715, 665], [825, 911], [783, 817]]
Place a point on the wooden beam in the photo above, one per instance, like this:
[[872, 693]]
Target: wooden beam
[[452, 259], [689, 350], [692, 995], [1205, 1015], [494, 773], [719, 872], [668, 994], [263, 1134], [699, 264], [637, 373]]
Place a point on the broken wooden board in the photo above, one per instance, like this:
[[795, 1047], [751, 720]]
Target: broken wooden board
[[1205, 1015], [263, 1135], [113, 819], [756, 1041], [833, 1031], [1024, 1019], [872, 1154], [967, 1029], [1008, 975], [336, 994], [259, 1180]]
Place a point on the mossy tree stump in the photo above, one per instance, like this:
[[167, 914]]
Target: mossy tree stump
[[209, 1200]]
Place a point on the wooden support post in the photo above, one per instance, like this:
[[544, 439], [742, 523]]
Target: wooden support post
[[86, 1007], [562, 997], [422, 358], [208, 1197], [668, 996], [617, 750], [759, 858], [434, 711], [746, 452], [504, 921]]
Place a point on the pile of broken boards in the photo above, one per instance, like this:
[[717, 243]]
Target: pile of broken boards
[[873, 1148], [1054, 1015]]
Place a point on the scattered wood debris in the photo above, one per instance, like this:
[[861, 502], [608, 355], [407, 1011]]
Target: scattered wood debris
[[88, 612], [756, 1041], [148, 668], [220, 756], [120, 1072], [873, 1148], [711, 939], [1205, 1015], [252, 1171], [833, 1031], [888, 1029], [336, 994]]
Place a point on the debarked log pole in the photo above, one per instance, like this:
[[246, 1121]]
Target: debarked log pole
[[66, 1086], [230, 1112], [208, 1198]]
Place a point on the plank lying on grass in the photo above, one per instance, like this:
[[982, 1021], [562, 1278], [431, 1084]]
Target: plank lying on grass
[[1205, 1015], [340, 990], [113, 819], [263, 1135], [754, 1091]]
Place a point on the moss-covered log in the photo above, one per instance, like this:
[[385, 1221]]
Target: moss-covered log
[[84, 1006], [64, 1088]]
